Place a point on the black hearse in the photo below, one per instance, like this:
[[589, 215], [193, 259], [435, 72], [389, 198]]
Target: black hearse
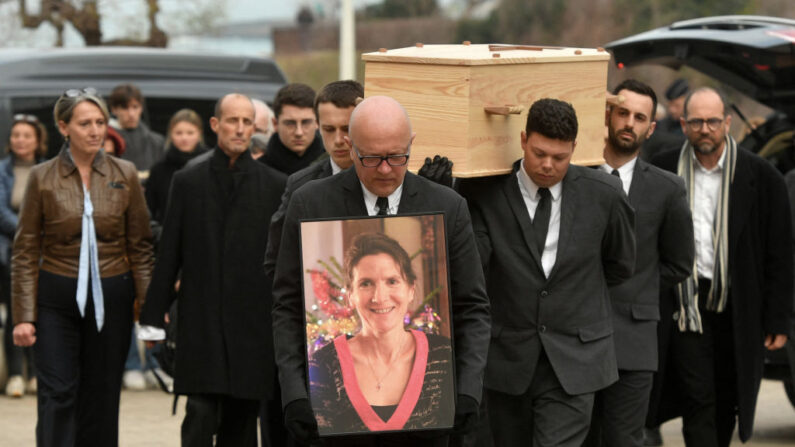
[[32, 79]]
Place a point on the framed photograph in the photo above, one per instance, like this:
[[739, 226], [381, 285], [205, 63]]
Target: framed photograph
[[378, 324]]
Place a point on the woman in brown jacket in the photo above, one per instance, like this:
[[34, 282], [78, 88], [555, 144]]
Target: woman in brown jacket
[[81, 263]]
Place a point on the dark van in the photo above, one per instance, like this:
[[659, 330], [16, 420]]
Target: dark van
[[32, 79]]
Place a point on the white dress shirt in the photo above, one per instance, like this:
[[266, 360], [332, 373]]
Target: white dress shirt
[[706, 193], [624, 172], [370, 199], [335, 168], [531, 199]]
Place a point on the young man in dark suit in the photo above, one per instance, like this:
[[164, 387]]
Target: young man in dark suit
[[380, 129], [552, 237], [333, 107], [213, 241], [737, 302], [664, 238]]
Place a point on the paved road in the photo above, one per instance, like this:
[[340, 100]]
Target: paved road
[[146, 421]]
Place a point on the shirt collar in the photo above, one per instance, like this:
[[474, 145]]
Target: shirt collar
[[394, 199], [717, 168], [624, 170], [335, 168], [532, 188]]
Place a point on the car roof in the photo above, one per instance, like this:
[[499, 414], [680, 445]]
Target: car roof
[[158, 72], [753, 54]]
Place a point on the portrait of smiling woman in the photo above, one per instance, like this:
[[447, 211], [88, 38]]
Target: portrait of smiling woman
[[386, 376]]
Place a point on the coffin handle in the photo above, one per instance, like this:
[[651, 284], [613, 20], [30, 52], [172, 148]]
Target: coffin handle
[[507, 109]]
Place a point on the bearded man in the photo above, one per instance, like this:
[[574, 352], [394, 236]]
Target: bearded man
[[664, 241]]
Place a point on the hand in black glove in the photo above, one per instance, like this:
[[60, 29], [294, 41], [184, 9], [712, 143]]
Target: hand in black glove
[[300, 421], [466, 415], [438, 170]]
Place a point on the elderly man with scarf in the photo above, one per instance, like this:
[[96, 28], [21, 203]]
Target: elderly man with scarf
[[738, 300]]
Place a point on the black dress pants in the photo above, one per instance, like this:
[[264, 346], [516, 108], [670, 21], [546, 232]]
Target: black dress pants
[[620, 411], [705, 366], [232, 421], [79, 369], [544, 416], [271, 420]]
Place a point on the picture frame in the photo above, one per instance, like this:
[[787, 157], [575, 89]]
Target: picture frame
[[378, 324]]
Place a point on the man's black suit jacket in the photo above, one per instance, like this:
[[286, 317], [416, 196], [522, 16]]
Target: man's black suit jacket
[[321, 169], [568, 314], [341, 196], [760, 274], [665, 251]]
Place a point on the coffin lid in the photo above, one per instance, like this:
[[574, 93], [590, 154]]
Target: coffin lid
[[484, 54]]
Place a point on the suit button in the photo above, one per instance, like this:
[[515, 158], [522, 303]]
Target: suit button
[[544, 294], [542, 329]]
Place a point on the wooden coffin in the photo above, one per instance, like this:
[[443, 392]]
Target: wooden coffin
[[470, 102]]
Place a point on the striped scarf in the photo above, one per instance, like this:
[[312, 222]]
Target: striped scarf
[[688, 317]]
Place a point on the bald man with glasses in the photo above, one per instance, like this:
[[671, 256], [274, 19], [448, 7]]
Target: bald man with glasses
[[379, 184]]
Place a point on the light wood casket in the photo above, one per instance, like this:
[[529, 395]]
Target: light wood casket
[[446, 88]]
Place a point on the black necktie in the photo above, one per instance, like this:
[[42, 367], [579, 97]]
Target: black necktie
[[383, 204], [541, 219], [615, 172]]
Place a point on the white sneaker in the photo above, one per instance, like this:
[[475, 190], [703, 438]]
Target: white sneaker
[[15, 386], [133, 379]]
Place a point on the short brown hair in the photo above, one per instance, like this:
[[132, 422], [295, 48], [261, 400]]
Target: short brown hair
[[342, 94], [65, 106], [188, 116], [295, 94], [121, 95], [367, 244]]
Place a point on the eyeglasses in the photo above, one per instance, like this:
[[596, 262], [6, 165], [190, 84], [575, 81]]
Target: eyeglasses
[[374, 161], [713, 124], [75, 92], [291, 125], [22, 117]]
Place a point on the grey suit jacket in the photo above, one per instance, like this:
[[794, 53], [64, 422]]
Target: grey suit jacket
[[568, 314], [341, 196], [665, 250]]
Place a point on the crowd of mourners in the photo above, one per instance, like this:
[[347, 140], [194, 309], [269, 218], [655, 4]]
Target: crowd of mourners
[[588, 304]]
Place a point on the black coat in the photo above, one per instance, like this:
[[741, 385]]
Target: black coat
[[760, 272], [159, 181], [319, 170], [281, 158], [215, 232]]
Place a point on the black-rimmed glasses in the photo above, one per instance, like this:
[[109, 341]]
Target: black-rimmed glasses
[[23, 117], [75, 92], [374, 161], [696, 124]]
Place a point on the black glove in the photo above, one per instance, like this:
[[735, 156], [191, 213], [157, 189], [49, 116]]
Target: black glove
[[438, 170], [466, 415], [300, 421]]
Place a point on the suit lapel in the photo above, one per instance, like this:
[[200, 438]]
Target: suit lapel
[[408, 198], [354, 198], [637, 189], [568, 212], [519, 209]]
